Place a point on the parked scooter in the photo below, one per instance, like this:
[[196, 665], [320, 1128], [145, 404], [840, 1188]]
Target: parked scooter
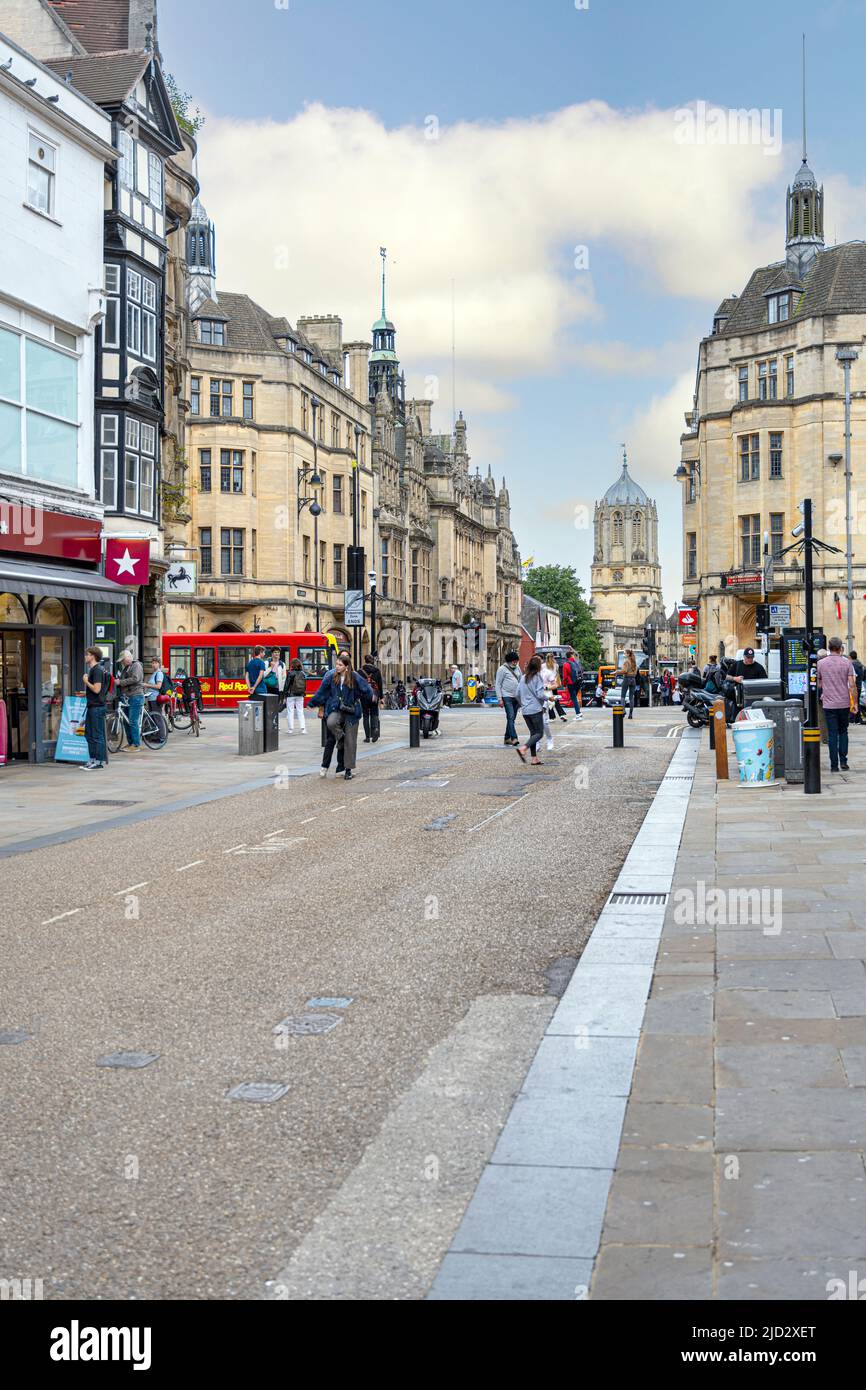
[[428, 697], [698, 702]]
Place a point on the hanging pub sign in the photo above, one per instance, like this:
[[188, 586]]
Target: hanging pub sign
[[180, 578]]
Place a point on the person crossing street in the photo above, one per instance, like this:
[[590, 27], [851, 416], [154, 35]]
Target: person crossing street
[[507, 684]]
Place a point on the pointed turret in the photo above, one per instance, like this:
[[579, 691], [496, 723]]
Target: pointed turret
[[804, 210], [384, 364]]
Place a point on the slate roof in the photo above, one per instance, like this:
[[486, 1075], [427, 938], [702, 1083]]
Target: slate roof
[[626, 491], [836, 284], [102, 26], [106, 78]]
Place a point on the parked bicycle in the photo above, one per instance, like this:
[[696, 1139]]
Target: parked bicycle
[[187, 709], [154, 730]]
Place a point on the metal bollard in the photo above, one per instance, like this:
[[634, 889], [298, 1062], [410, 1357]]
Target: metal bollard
[[811, 761], [719, 723], [712, 728], [414, 726], [618, 726]]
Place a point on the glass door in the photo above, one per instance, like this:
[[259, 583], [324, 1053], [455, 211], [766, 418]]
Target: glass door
[[14, 670], [52, 669]]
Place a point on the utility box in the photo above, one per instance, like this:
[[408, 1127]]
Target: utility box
[[774, 710], [271, 723], [795, 718], [251, 727]]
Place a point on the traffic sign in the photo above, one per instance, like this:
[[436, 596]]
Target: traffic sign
[[353, 608], [780, 615]]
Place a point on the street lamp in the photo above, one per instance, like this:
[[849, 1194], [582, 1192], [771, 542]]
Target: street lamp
[[356, 481], [372, 613], [312, 502], [847, 355]]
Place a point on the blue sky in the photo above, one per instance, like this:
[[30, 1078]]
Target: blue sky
[[550, 413]]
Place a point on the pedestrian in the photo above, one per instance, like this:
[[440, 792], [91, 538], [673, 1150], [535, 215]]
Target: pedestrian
[[553, 685], [667, 687], [533, 698], [713, 662], [296, 689], [572, 675], [506, 685], [275, 675], [339, 698], [155, 682], [370, 708], [95, 691], [629, 680], [255, 672], [131, 683], [859, 674], [456, 682], [836, 684]]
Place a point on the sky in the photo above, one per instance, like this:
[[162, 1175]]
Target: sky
[[566, 172]]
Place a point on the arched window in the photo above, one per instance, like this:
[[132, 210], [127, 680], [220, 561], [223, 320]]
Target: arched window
[[53, 613], [617, 528], [636, 524], [12, 610]]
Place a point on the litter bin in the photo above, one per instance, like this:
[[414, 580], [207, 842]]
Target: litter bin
[[795, 718], [272, 723], [774, 710], [251, 727], [753, 745]]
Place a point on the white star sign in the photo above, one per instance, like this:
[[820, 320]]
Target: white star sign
[[126, 564]]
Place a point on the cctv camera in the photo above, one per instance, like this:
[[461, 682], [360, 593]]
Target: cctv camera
[[798, 530]]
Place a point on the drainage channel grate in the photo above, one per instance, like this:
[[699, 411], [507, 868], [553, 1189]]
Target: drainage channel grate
[[639, 899], [678, 777], [109, 803]]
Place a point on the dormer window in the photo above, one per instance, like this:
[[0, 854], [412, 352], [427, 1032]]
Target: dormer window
[[719, 323], [212, 332], [779, 307]]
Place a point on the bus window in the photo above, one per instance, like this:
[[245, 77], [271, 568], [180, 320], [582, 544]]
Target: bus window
[[204, 662], [179, 659], [316, 661], [233, 662]]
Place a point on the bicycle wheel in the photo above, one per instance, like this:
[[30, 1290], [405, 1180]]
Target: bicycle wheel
[[181, 717], [153, 730], [114, 732], [196, 720]]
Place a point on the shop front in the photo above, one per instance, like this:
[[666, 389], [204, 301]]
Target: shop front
[[47, 618]]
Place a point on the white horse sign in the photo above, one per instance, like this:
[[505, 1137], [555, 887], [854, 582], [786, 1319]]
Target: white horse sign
[[180, 578]]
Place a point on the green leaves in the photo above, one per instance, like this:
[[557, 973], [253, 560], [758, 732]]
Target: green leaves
[[559, 587]]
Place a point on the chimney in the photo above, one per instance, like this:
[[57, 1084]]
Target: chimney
[[357, 358], [325, 330], [142, 26], [423, 410]]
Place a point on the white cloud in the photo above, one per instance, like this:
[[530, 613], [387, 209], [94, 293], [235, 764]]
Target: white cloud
[[497, 208]]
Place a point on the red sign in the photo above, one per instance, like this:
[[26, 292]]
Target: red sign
[[730, 581], [127, 562], [31, 531], [689, 617]]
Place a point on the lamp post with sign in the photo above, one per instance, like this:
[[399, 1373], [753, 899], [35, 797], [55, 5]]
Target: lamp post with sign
[[312, 501]]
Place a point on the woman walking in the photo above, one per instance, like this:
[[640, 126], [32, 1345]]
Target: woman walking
[[339, 697], [296, 689], [629, 680], [532, 696]]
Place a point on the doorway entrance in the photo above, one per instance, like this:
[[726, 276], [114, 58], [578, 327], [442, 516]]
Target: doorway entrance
[[14, 691], [35, 673]]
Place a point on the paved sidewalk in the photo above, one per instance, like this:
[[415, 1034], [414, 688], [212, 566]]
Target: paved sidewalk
[[740, 1174]]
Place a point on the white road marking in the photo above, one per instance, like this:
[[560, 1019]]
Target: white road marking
[[183, 868], [307, 821], [121, 891], [235, 847], [60, 916], [499, 813], [364, 798], [338, 808], [674, 731]]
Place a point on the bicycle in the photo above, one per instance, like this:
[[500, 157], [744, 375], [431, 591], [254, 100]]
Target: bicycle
[[187, 715], [154, 730]]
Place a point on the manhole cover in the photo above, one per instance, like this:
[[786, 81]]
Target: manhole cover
[[338, 1002], [10, 1036], [306, 1024], [109, 803], [258, 1092], [441, 822], [127, 1059]]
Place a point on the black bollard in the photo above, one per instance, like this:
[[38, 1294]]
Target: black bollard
[[811, 761], [618, 726], [414, 726], [712, 726]]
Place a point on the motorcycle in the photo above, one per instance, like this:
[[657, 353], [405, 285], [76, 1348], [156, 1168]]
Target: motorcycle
[[698, 702], [428, 697]]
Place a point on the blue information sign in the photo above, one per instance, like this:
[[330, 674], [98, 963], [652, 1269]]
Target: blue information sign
[[71, 745]]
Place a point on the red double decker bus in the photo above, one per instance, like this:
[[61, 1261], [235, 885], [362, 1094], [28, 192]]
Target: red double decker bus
[[219, 659]]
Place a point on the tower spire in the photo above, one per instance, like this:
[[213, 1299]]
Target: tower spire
[[804, 100], [624, 459], [384, 254]]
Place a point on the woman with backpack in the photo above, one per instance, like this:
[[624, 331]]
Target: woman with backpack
[[339, 697], [295, 690], [532, 696]]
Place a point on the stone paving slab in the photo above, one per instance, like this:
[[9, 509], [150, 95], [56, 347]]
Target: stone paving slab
[[510, 1278], [779, 1065], [806, 1204], [796, 1118], [553, 1212], [653, 1272]]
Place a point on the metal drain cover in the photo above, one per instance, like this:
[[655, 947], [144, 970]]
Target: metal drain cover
[[639, 899], [305, 1024], [10, 1036], [127, 1059], [100, 802], [258, 1092]]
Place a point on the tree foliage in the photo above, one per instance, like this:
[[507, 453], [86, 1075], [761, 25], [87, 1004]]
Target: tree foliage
[[559, 587], [188, 120]]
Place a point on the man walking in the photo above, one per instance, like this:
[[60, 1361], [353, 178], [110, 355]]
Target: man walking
[[572, 677], [256, 670], [370, 708], [836, 684], [859, 673], [131, 683], [95, 689], [506, 685]]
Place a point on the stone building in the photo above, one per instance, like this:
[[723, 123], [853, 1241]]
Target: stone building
[[766, 429], [626, 584]]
